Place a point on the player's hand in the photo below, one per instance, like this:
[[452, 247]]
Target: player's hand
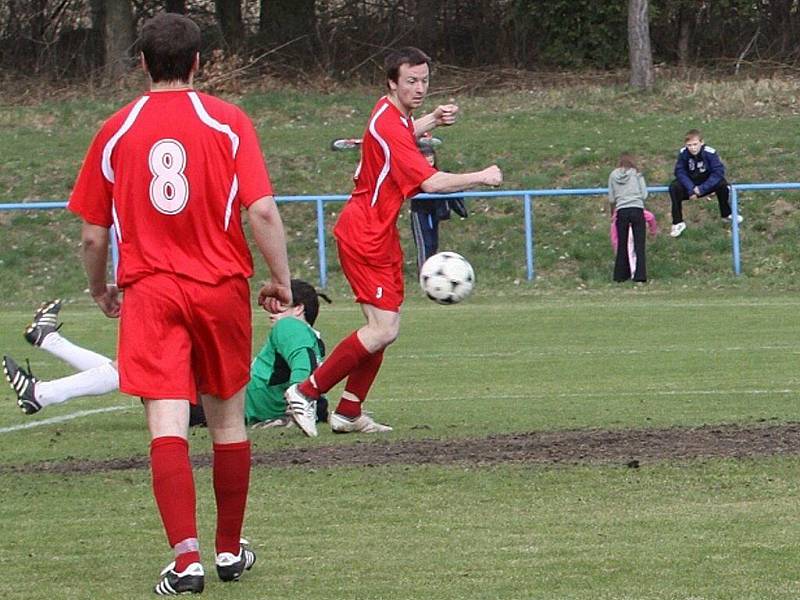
[[492, 176], [445, 114], [274, 297], [108, 300]]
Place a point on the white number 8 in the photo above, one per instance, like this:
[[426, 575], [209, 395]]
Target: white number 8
[[169, 188]]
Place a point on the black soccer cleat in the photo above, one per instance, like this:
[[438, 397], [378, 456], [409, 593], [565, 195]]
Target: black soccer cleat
[[190, 581], [45, 322], [230, 567], [23, 383]]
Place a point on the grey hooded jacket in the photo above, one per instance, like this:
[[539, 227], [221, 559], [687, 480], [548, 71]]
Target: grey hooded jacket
[[626, 188]]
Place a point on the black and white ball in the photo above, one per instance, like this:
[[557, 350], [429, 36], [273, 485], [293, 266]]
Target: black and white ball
[[447, 278]]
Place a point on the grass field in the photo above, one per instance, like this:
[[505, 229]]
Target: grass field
[[570, 352], [616, 358]]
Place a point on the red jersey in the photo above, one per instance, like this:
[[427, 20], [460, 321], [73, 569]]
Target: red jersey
[[171, 171], [391, 169]]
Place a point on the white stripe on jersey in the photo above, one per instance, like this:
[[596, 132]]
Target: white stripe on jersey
[[386, 154], [105, 164], [231, 197], [114, 216], [206, 118]]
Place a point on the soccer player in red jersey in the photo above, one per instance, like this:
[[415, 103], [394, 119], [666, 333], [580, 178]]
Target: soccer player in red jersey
[[391, 169], [172, 172]]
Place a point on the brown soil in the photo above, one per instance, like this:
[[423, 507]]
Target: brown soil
[[630, 447]]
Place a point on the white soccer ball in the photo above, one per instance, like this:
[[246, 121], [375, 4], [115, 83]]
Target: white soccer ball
[[447, 278]]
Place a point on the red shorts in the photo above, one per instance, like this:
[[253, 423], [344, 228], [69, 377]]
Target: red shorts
[[179, 337], [380, 286]]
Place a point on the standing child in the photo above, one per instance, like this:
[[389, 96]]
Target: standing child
[[426, 214], [699, 172], [627, 192]]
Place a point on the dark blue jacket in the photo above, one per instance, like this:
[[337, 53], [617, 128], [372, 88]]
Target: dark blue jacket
[[705, 170]]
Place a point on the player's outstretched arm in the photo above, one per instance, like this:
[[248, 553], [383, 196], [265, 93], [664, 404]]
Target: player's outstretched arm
[[442, 182], [442, 115], [94, 249], [267, 226]]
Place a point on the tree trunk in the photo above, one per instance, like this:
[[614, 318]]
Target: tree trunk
[[282, 21], [97, 9], [641, 54], [426, 22], [229, 18], [176, 6], [119, 38], [684, 35]]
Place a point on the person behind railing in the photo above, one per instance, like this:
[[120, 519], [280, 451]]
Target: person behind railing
[[426, 214], [699, 172], [627, 191]]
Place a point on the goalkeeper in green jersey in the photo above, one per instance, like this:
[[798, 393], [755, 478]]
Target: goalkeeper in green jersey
[[292, 351]]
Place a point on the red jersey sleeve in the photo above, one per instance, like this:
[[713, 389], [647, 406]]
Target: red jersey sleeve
[[409, 169], [251, 170], [92, 194]]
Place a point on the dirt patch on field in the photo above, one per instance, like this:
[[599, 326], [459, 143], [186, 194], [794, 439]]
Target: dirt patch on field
[[631, 447]]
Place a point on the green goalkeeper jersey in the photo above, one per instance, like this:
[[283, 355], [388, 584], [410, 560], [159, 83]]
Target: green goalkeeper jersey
[[292, 351]]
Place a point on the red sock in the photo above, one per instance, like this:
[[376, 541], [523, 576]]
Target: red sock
[[231, 481], [358, 384], [342, 361], [173, 488]]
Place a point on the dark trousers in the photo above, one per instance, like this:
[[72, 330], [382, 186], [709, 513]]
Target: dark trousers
[[425, 229], [632, 218], [677, 194]]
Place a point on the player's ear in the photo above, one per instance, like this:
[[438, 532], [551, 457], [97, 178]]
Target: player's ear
[[196, 63], [143, 63]]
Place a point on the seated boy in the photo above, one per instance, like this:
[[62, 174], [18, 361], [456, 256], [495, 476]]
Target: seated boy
[[292, 351], [699, 172]]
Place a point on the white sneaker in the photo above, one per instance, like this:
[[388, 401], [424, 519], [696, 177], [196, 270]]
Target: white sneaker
[[302, 410], [729, 218], [677, 229], [361, 424]]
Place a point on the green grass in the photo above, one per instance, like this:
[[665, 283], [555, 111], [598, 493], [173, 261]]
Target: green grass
[[521, 361], [541, 137], [694, 347]]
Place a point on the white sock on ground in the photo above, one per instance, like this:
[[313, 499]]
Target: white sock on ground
[[92, 382], [80, 358]]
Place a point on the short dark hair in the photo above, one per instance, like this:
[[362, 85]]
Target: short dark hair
[[306, 294], [627, 161], [169, 42], [403, 56], [693, 133]]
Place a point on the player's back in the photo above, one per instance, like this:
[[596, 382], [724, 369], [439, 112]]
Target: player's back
[[171, 158]]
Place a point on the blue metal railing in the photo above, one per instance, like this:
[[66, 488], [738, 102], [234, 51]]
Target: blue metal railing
[[528, 214]]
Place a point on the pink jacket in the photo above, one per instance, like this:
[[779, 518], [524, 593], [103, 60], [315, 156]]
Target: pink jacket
[[649, 218]]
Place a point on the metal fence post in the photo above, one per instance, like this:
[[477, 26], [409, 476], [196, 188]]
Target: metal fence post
[[737, 265], [526, 203], [323, 264]]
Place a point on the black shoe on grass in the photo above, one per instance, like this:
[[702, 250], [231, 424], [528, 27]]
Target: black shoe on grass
[[190, 581], [230, 567]]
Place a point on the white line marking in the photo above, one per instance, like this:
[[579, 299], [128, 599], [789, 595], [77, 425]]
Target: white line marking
[[642, 394], [62, 418]]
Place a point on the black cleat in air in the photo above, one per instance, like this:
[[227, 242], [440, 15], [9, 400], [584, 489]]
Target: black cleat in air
[[23, 383], [45, 322], [190, 581]]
